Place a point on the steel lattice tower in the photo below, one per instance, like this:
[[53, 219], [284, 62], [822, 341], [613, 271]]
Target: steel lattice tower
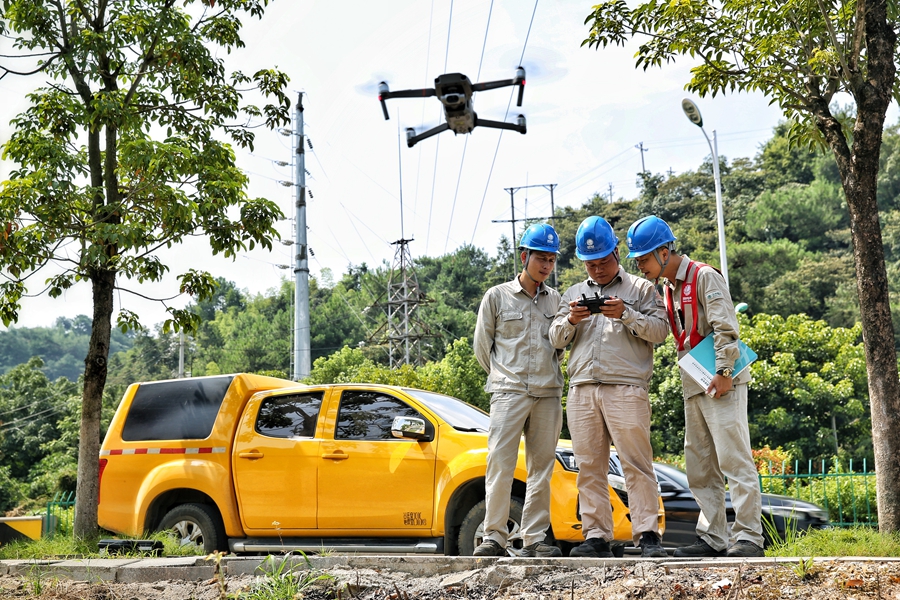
[[404, 330]]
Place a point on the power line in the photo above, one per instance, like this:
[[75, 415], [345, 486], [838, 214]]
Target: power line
[[500, 137], [462, 160]]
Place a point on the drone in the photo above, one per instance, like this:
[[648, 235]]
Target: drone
[[455, 91]]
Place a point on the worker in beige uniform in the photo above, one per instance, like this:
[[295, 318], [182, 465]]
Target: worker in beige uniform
[[716, 436], [610, 365], [525, 383]]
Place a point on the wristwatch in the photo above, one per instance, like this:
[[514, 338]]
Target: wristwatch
[[724, 372]]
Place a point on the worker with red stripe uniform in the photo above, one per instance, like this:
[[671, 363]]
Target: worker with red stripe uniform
[[716, 435]]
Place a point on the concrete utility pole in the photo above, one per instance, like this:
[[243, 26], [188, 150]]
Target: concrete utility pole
[[640, 147], [512, 206], [302, 354]]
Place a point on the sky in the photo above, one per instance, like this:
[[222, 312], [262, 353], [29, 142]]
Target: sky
[[588, 113]]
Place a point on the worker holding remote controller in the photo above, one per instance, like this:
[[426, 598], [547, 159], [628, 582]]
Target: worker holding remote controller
[[612, 319], [716, 436]]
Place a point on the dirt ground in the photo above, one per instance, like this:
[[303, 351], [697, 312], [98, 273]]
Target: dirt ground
[[823, 579]]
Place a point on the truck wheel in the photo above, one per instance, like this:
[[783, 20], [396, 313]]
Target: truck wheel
[[471, 532], [196, 525]]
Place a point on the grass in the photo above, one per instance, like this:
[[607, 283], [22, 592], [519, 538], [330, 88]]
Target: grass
[[66, 546], [852, 541]]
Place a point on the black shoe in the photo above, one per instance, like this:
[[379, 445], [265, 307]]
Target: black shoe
[[650, 546], [698, 549], [745, 549], [490, 548], [592, 548], [541, 550]]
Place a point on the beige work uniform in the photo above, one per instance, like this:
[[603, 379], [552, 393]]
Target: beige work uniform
[[610, 365], [525, 382], [717, 436]]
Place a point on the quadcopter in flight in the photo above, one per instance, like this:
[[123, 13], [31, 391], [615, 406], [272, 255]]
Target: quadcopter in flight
[[455, 91]]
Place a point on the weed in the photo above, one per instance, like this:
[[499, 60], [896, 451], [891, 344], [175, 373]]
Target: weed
[[219, 573], [282, 580], [804, 568]]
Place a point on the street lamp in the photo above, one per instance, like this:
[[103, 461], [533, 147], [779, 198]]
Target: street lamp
[[693, 113]]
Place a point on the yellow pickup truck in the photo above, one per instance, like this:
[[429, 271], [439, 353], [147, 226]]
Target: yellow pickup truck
[[248, 463]]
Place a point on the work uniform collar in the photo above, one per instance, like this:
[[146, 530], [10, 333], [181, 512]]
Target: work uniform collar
[[541, 289], [681, 275]]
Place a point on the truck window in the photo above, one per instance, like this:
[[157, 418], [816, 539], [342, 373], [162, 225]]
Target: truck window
[[181, 409], [367, 415], [289, 416]]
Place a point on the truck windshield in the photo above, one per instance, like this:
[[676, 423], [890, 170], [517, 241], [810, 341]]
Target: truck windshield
[[459, 414]]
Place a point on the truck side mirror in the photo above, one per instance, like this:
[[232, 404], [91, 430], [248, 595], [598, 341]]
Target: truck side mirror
[[410, 428]]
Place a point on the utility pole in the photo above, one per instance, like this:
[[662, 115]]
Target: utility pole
[[512, 204], [302, 353], [610, 194], [640, 147]]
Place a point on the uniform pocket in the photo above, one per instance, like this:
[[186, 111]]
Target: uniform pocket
[[512, 324]]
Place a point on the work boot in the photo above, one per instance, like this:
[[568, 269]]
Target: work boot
[[745, 549], [541, 550], [592, 548], [698, 549], [490, 548], [650, 546]]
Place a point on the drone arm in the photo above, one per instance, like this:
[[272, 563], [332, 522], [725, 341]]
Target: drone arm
[[424, 93], [384, 93], [518, 80], [412, 139], [493, 85], [519, 125]]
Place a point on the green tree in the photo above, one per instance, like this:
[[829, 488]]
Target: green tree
[[801, 54], [31, 407], [121, 154], [801, 213]]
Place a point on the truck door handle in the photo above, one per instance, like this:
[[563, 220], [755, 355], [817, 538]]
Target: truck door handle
[[252, 454], [336, 456]]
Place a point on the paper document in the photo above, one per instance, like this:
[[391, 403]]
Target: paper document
[[700, 362]]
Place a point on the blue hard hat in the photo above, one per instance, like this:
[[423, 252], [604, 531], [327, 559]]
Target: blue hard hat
[[646, 235], [595, 239], [540, 237]]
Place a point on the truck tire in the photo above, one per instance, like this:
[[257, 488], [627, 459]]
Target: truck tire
[[197, 525], [471, 532]]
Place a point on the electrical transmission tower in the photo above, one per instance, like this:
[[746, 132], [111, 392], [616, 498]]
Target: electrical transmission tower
[[404, 330]]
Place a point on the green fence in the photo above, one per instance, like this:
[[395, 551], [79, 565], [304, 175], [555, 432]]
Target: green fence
[[847, 494], [60, 514]]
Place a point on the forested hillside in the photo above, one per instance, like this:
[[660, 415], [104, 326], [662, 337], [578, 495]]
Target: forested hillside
[[789, 259]]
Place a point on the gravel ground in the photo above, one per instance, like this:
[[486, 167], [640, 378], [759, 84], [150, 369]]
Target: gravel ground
[[824, 579]]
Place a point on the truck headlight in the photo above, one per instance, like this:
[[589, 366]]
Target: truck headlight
[[566, 458]]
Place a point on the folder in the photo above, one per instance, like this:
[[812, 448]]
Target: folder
[[700, 362]]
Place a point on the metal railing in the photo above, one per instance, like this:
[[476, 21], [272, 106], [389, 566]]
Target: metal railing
[[60, 514], [847, 494]]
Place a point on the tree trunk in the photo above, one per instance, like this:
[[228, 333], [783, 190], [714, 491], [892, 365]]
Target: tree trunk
[[95, 371], [859, 175]]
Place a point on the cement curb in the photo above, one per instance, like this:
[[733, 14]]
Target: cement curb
[[198, 568]]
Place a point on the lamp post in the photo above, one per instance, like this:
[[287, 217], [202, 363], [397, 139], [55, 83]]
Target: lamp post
[[693, 113]]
